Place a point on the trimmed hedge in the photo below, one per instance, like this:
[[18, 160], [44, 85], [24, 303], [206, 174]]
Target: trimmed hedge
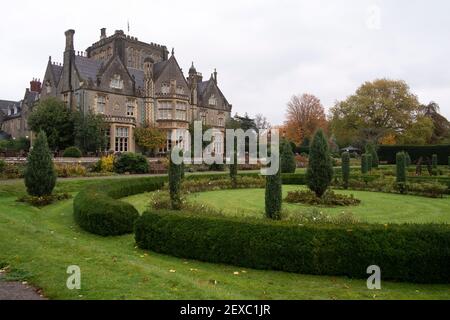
[[132, 163], [413, 253], [72, 152], [387, 153], [97, 211]]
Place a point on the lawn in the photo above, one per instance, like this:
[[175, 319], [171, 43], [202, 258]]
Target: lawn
[[374, 208], [39, 245]]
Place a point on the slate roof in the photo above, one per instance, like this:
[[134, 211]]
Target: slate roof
[[138, 76], [57, 71], [88, 68], [5, 104]]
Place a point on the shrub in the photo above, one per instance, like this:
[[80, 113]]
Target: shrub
[[97, 211], [70, 170], [294, 178], [40, 175], [388, 153], [287, 158], [273, 196], [434, 163], [234, 167], [345, 168], [2, 165], [364, 163], [412, 253], [72, 152], [329, 198], [401, 171], [369, 162], [202, 185], [449, 162], [320, 169], [372, 150], [44, 200], [407, 159], [175, 184], [105, 164], [131, 163]]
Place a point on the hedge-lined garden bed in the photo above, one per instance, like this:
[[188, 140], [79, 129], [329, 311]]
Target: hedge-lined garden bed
[[414, 253], [97, 210]]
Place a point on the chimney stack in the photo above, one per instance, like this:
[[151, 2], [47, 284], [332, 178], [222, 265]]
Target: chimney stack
[[35, 85], [102, 33], [69, 40], [215, 76]]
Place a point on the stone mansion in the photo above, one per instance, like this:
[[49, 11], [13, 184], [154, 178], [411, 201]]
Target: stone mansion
[[132, 83]]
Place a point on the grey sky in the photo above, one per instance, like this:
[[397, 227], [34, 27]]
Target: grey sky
[[264, 51]]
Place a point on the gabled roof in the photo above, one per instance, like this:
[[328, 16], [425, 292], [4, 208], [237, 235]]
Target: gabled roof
[[57, 71], [88, 68], [169, 69], [6, 104], [138, 76], [203, 89]]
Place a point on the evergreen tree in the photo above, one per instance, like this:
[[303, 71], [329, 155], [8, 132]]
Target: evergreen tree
[[372, 150], [175, 176], [407, 159], [434, 163], [288, 164], [345, 168], [401, 171], [449, 161], [364, 164], [234, 166], [320, 168], [40, 174], [274, 196], [369, 162]]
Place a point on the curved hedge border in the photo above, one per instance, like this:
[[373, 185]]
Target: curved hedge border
[[97, 210], [413, 253]]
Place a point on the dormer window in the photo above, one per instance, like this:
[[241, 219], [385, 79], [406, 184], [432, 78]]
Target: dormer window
[[101, 103], [48, 86], [130, 108], [212, 100], [180, 90], [116, 82], [165, 88]]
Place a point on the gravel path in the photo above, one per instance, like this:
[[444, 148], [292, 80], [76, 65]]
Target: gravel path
[[18, 291]]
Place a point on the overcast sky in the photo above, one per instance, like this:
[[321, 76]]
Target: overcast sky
[[264, 51]]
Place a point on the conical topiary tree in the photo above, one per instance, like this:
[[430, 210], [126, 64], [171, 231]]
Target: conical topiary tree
[[234, 166], [372, 150], [288, 164], [407, 159], [400, 162], [364, 163], [345, 169], [320, 168], [274, 196], [40, 174], [175, 177], [434, 163]]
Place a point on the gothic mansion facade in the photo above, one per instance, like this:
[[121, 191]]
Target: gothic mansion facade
[[133, 84]]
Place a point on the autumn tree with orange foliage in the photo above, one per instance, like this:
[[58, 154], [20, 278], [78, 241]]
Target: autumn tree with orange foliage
[[305, 114]]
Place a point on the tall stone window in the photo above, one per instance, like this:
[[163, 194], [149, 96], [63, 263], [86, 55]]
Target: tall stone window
[[181, 111], [101, 104], [164, 110], [116, 82], [122, 139], [131, 108], [165, 88]]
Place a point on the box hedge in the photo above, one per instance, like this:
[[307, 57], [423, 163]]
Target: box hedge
[[388, 153], [413, 253], [97, 210]]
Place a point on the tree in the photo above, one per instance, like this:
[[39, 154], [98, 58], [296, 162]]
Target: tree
[[150, 138], [369, 161], [364, 163], [419, 132], [345, 169], [320, 168], [375, 109], [441, 126], [40, 174], [287, 158], [89, 131], [273, 196], [401, 171], [261, 122], [55, 119], [407, 159], [434, 164], [305, 114], [234, 166], [175, 184], [372, 150]]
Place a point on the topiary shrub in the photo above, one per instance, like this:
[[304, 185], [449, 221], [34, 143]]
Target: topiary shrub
[[369, 162], [320, 168], [412, 253], [364, 164], [434, 164], [407, 159], [273, 196], [40, 174], [234, 166], [401, 172], [72, 152], [131, 163], [372, 150], [287, 158], [345, 169], [175, 184], [449, 162], [97, 211]]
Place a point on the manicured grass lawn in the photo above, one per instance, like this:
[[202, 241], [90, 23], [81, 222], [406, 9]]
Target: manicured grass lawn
[[374, 208], [39, 245]]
